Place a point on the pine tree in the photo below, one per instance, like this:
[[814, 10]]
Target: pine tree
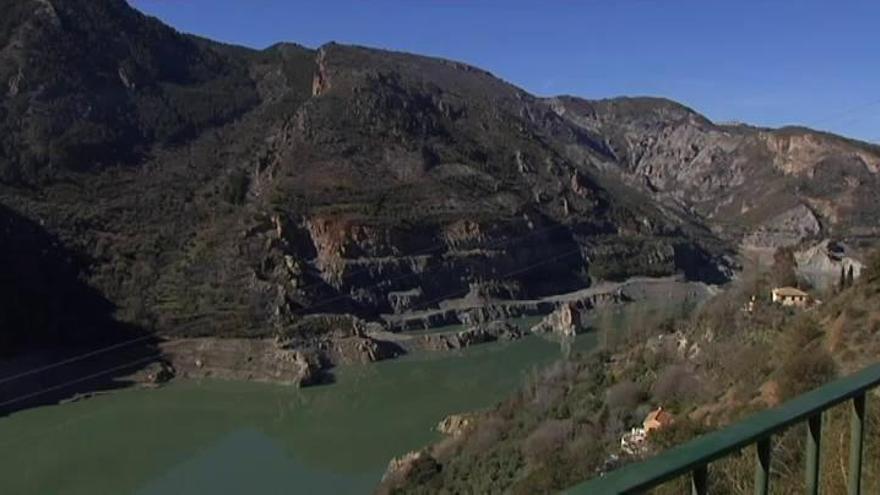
[[842, 283], [850, 277]]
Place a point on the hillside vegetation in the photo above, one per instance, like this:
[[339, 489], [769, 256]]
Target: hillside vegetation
[[708, 370]]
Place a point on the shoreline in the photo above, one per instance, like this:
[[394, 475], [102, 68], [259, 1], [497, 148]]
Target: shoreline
[[287, 362]]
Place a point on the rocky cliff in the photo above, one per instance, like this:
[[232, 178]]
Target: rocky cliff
[[762, 187]]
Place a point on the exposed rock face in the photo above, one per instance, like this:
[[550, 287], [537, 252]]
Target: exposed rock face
[[737, 177], [406, 300], [482, 312], [456, 424], [491, 332], [564, 321], [241, 359], [822, 263], [338, 339], [155, 373], [349, 350], [458, 340], [408, 470], [786, 229]]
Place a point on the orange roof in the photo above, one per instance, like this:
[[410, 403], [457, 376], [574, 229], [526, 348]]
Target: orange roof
[[660, 416]]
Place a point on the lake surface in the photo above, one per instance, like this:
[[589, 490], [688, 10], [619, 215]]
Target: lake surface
[[217, 437]]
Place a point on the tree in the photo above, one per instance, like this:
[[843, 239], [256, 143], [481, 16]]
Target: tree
[[871, 271], [850, 277], [842, 283], [784, 268], [806, 363]]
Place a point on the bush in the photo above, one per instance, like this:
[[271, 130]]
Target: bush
[[675, 384], [871, 271], [681, 431], [804, 371], [486, 435], [236, 187], [547, 439], [784, 271], [624, 395], [803, 333]]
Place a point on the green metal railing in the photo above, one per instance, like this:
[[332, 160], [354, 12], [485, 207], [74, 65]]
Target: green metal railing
[[695, 456]]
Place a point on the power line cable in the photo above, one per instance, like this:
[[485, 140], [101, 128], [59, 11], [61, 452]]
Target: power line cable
[[78, 380]]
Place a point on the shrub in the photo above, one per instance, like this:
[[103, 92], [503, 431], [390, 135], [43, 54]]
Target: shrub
[[784, 268], [804, 332], [545, 397], [624, 395], [486, 435], [236, 187], [805, 370], [682, 430], [675, 384], [546, 440], [871, 271]]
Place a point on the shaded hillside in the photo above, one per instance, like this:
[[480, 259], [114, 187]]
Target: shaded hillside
[[91, 84], [46, 305], [42, 293]]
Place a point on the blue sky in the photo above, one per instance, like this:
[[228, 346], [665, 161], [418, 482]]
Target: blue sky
[[773, 63]]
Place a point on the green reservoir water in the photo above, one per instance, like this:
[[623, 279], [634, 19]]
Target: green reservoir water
[[215, 437]]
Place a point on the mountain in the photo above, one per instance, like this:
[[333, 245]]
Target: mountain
[[213, 190], [92, 84], [769, 186]]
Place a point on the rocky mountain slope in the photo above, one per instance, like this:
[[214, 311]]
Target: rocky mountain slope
[[211, 190], [764, 187]]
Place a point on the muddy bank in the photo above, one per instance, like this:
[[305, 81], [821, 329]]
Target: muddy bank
[[261, 360]]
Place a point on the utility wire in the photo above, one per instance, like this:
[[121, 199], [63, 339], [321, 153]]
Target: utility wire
[[78, 380], [75, 359]]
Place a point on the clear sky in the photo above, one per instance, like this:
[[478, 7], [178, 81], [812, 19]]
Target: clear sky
[[773, 63]]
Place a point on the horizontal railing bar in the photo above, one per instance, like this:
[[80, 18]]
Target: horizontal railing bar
[[702, 450]]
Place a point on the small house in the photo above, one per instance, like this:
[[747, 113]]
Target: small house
[[656, 420], [789, 296]]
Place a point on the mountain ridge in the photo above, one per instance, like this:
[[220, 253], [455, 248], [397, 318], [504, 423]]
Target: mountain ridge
[[217, 190]]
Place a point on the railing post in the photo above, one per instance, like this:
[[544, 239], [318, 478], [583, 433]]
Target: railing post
[[699, 481], [814, 444], [856, 443], [762, 466]]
